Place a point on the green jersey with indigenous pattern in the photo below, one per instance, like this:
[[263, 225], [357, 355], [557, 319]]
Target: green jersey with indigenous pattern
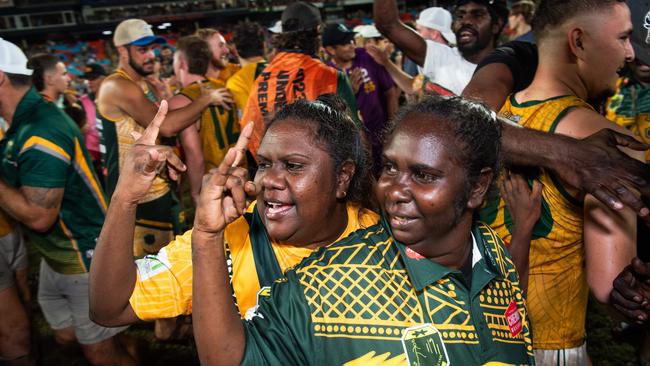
[[630, 108], [365, 300], [43, 148]]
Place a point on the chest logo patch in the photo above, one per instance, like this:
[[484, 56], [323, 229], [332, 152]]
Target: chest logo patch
[[513, 318], [423, 345]]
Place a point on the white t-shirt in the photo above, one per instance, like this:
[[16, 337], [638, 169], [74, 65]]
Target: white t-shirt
[[446, 67]]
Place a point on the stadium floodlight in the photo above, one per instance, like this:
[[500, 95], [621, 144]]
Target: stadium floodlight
[[107, 32]]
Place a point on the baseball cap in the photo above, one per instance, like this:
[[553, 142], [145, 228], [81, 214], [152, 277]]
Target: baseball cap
[[12, 59], [136, 32], [300, 16], [336, 34], [495, 7], [640, 38], [276, 28], [369, 31], [93, 71], [438, 19]]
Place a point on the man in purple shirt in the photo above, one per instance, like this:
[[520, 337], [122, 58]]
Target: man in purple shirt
[[376, 93]]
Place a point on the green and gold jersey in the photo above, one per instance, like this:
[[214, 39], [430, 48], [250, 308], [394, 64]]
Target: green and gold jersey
[[630, 108], [43, 148], [218, 129], [117, 141], [7, 223], [164, 284], [557, 285], [241, 84], [363, 301]]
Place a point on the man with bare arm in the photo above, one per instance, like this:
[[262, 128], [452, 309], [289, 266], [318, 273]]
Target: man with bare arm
[[49, 186], [126, 103]]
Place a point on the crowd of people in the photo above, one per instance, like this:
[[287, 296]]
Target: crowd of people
[[408, 194]]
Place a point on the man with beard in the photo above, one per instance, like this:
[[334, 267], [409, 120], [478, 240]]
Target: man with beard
[[126, 103], [476, 25], [579, 244], [220, 68]]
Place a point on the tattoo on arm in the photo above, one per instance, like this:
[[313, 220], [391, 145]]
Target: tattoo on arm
[[47, 198]]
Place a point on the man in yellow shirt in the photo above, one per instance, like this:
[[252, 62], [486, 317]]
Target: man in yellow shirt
[[579, 244], [249, 40]]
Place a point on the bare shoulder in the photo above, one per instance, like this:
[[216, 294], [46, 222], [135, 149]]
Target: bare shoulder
[[582, 122], [179, 101]]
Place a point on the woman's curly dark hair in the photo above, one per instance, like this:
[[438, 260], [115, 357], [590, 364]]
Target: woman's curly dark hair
[[340, 136]]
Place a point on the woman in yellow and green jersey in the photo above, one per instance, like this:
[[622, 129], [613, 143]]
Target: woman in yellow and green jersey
[[319, 197]]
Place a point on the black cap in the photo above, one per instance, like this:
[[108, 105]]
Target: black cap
[[300, 16], [336, 34], [93, 71], [497, 8], [640, 39]]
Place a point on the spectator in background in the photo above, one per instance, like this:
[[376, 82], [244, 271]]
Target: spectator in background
[[220, 68], [477, 25], [295, 72], [434, 24], [166, 61], [248, 38], [205, 142], [94, 75], [375, 92], [48, 186], [50, 77], [52, 81], [520, 21]]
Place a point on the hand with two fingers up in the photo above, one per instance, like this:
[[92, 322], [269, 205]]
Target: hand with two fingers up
[[145, 160], [224, 190]]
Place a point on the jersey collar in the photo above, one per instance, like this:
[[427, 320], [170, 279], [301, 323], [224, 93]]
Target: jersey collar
[[424, 272]]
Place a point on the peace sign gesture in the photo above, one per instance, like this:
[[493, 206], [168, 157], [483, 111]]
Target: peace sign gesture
[[146, 159], [223, 193]]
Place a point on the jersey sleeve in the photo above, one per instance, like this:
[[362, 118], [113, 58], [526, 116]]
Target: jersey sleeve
[[163, 287], [520, 58], [344, 90], [280, 331], [43, 162]]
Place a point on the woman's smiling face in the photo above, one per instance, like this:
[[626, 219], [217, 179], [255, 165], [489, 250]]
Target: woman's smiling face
[[423, 186], [299, 186]]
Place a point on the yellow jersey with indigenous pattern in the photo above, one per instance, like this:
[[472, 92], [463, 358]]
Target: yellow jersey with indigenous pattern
[[218, 127], [630, 108], [241, 84], [164, 283], [117, 141], [365, 300], [227, 72], [557, 285]]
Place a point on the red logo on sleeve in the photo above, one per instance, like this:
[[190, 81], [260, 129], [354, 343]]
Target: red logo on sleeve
[[513, 318]]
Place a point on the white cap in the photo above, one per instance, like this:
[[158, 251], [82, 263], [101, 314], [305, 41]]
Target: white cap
[[276, 28], [369, 31], [135, 31], [12, 59], [438, 19]]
